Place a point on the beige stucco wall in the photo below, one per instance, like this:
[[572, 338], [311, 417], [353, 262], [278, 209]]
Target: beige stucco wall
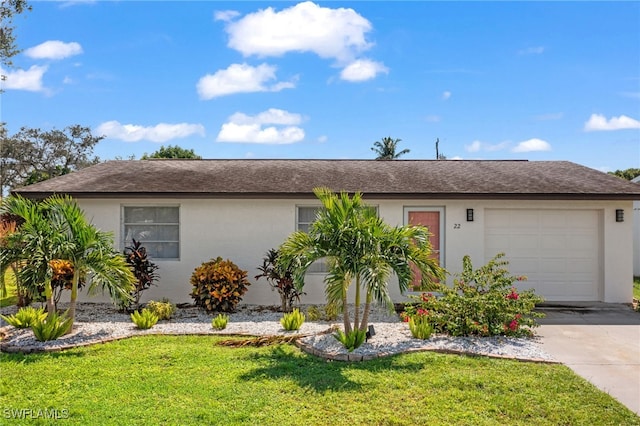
[[636, 238], [243, 230]]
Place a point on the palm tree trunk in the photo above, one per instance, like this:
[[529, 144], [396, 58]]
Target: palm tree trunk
[[356, 320], [74, 297], [345, 311], [48, 293], [365, 314]]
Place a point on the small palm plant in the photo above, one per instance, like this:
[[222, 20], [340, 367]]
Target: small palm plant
[[220, 322], [52, 326], [25, 317], [144, 319], [292, 320]]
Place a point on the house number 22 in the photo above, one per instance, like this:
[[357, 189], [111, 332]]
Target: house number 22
[[456, 226]]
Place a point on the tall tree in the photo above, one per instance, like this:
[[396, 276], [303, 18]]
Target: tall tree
[[90, 251], [56, 228], [627, 174], [30, 247], [358, 247], [172, 152], [386, 149], [34, 155], [8, 46]]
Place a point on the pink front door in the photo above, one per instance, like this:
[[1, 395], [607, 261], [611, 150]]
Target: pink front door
[[431, 220]]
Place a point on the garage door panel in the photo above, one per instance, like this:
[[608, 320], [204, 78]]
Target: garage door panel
[[558, 250], [550, 242]]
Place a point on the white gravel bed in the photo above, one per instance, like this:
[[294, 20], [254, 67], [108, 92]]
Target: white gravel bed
[[97, 323]]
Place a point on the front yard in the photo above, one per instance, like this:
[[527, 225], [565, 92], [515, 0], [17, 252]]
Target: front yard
[[191, 380]]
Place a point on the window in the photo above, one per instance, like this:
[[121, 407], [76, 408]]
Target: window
[[157, 227], [306, 216]]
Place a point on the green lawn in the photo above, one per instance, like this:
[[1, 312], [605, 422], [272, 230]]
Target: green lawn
[[190, 380], [636, 287]]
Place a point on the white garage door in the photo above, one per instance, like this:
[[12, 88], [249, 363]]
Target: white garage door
[[558, 250]]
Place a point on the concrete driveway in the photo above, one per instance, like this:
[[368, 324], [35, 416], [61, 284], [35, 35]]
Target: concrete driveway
[[600, 343]]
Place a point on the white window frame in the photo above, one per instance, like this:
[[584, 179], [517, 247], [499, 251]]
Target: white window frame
[[320, 265], [123, 226]]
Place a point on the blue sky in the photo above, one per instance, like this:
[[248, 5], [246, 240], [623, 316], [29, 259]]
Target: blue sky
[[504, 80]]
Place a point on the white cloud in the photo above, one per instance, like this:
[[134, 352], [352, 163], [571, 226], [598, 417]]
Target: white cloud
[[599, 122], [323, 138], [433, 118], [446, 95], [30, 80], [54, 49], [536, 50], [532, 145], [362, 70], [270, 116], [306, 27], [477, 145], [159, 133], [474, 147], [241, 78], [281, 128], [225, 15]]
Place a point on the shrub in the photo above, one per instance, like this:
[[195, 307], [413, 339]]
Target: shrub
[[280, 280], [163, 310], [61, 279], [25, 317], [52, 327], [420, 326], [351, 340], [483, 302], [328, 312], [292, 320], [144, 319], [143, 269], [220, 322], [218, 285]]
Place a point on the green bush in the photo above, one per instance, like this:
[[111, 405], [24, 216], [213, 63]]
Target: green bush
[[328, 312], [25, 317], [351, 340], [144, 319], [220, 322], [483, 302], [143, 269], [292, 320], [279, 279], [164, 310], [218, 285], [52, 327], [420, 327]]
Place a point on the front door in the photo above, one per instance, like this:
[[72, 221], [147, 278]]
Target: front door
[[432, 220]]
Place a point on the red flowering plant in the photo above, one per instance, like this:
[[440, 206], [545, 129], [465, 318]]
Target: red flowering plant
[[482, 302]]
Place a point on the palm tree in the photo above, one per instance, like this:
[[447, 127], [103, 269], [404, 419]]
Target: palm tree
[[358, 245], [386, 149], [30, 247], [56, 228], [90, 251]]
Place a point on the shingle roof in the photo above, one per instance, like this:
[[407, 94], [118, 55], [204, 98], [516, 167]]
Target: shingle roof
[[297, 178]]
